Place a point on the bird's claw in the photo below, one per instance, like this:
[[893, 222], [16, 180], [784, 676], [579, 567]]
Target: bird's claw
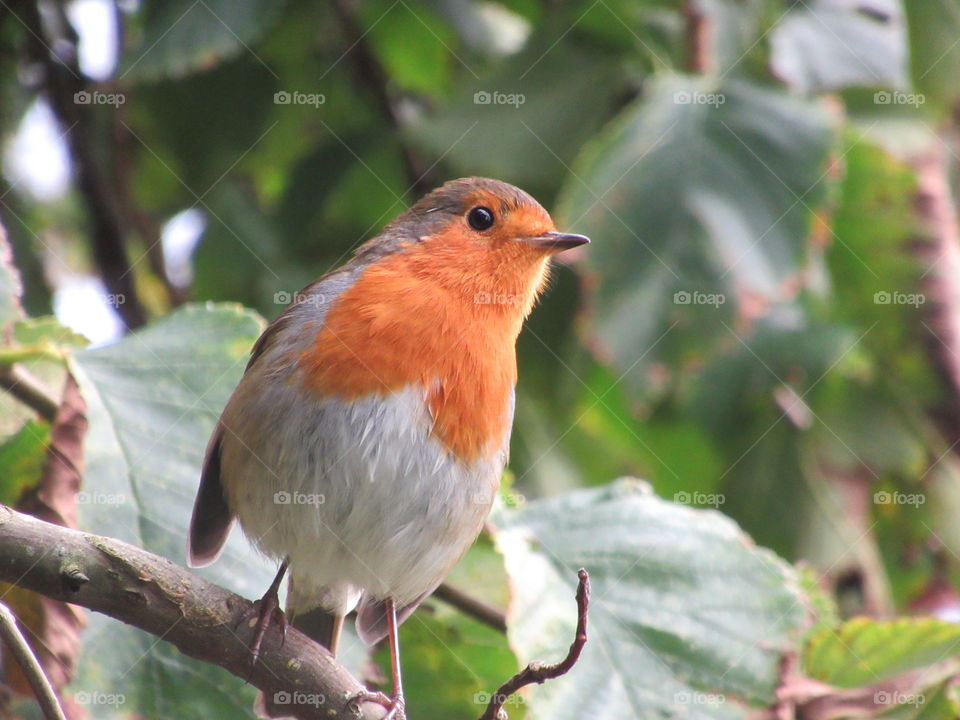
[[395, 706], [267, 611]]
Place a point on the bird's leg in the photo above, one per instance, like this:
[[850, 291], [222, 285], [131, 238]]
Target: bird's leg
[[395, 705], [266, 610], [397, 702]]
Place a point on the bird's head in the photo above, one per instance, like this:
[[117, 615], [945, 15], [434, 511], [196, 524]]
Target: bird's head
[[482, 239]]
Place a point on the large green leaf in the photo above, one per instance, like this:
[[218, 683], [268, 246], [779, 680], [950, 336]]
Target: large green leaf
[[22, 458], [864, 651], [698, 198], [829, 44], [153, 399], [688, 618]]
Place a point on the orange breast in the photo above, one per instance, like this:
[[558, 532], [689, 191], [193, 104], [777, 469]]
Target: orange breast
[[394, 328]]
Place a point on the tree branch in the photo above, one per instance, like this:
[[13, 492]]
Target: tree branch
[[17, 381], [14, 639], [537, 672], [62, 82], [201, 619], [471, 606]]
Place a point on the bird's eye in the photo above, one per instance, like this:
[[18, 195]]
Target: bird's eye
[[480, 218]]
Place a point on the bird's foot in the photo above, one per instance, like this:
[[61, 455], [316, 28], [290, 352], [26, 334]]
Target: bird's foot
[[395, 706], [267, 611]]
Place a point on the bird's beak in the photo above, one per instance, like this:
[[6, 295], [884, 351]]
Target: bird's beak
[[556, 241]]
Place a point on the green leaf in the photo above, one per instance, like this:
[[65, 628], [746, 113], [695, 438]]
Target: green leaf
[[831, 44], [865, 651], [183, 36], [153, 399], [934, 52], [685, 611], [517, 123], [699, 197], [22, 457]]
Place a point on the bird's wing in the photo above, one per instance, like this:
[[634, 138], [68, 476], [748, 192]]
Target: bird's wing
[[212, 518]]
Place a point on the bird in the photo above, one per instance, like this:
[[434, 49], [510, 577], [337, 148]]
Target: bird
[[364, 444]]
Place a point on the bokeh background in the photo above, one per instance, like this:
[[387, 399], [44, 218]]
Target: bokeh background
[[767, 322]]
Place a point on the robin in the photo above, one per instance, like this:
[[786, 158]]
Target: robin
[[365, 442]]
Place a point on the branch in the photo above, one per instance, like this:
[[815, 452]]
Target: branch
[[697, 30], [200, 619], [472, 607], [537, 672], [29, 664], [17, 381], [62, 82], [939, 250]]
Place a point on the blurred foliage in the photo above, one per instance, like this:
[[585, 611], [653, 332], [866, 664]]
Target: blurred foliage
[[757, 327]]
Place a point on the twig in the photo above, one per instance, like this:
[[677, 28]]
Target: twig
[[537, 672], [697, 30], [17, 381], [199, 618], [469, 605], [62, 82], [46, 697]]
